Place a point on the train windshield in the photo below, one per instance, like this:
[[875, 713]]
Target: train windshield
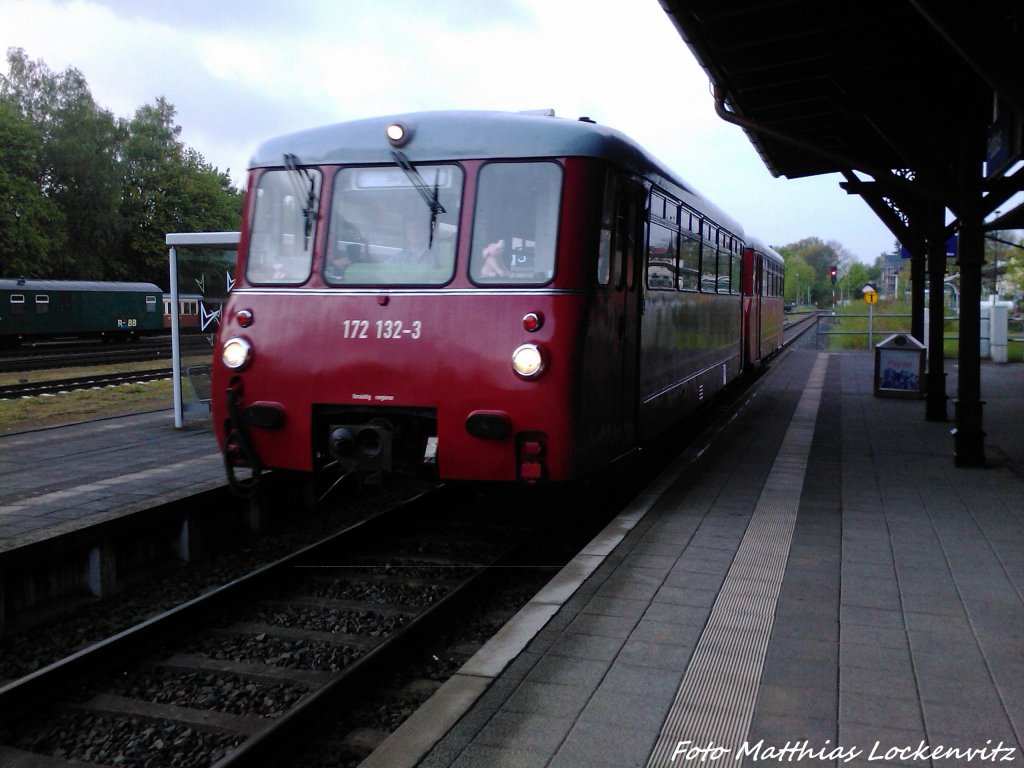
[[383, 232], [282, 236], [516, 223]]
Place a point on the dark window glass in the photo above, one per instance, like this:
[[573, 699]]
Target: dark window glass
[[515, 226]]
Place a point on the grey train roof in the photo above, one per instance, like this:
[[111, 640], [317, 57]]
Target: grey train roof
[[27, 284], [470, 135], [760, 245]]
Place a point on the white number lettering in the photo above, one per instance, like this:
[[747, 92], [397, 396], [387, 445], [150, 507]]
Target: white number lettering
[[355, 329], [383, 329]]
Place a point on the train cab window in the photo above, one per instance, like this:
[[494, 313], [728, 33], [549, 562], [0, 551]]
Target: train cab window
[[384, 231], [42, 303], [661, 258], [283, 228], [515, 226]]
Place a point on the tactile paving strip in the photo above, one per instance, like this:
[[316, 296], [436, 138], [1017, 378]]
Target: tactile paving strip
[[711, 715]]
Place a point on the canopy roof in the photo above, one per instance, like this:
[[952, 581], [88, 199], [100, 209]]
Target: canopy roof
[[891, 88]]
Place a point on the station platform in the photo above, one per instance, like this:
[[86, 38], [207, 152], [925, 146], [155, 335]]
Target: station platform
[[54, 481], [814, 584]]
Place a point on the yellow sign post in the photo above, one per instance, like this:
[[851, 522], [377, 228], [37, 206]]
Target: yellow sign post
[[871, 297]]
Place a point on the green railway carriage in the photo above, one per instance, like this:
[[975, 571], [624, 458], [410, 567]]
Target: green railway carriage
[[46, 309]]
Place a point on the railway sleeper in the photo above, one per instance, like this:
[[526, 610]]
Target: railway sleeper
[[357, 642], [201, 719]]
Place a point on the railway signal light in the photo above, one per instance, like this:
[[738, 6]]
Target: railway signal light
[[832, 274]]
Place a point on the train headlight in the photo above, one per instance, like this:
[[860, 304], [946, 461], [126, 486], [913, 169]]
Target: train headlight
[[528, 361], [236, 353], [399, 134]]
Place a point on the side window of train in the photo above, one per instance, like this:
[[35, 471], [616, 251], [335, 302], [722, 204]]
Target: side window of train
[[627, 235], [688, 277], [737, 266], [515, 226], [282, 233], [17, 303], [724, 263], [661, 258], [605, 250], [709, 258]]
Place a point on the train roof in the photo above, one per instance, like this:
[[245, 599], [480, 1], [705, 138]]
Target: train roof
[[760, 245], [473, 135], [25, 284]]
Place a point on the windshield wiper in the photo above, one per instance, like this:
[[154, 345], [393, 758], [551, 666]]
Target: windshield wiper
[[429, 195], [309, 210]]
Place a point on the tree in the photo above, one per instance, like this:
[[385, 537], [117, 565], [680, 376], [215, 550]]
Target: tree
[[79, 167], [31, 225], [86, 195], [168, 187], [820, 257], [1014, 278], [799, 280]]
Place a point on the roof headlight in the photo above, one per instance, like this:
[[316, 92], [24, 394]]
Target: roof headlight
[[236, 353], [398, 134], [528, 361]]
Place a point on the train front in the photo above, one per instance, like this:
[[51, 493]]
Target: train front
[[395, 310]]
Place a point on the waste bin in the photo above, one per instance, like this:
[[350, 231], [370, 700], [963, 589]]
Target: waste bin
[[899, 367]]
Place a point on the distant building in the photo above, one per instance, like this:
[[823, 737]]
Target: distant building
[[892, 263]]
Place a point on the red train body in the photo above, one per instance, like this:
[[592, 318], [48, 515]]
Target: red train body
[[502, 297]]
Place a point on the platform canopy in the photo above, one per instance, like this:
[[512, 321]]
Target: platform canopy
[[919, 104], [889, 88]]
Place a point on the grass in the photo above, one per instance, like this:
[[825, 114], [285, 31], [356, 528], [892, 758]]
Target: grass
[[884, 326], [84, 405], [852, 330]]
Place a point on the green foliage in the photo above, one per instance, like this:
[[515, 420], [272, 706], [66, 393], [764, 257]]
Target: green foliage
[[800, 280], [31, 224], [91, 196], [808, 263], [852, 322]]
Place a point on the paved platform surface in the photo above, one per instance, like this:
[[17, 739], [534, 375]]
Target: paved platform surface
[[56, 480], [822, 586]]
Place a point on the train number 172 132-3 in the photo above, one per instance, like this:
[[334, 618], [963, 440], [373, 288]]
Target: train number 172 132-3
[[380, 329]]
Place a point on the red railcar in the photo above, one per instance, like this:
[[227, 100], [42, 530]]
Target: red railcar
[[763, 271], [196, 313], [499, 297]]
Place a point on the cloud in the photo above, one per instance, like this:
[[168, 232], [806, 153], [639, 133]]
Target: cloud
[[242, 72]]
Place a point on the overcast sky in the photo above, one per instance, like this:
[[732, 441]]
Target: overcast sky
[[241, 72]]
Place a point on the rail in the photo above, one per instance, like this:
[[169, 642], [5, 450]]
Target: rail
[[468, 562]]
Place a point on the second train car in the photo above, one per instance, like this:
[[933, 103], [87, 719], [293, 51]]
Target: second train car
[[500, 296]]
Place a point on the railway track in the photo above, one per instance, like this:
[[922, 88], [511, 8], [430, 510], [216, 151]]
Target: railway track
[[237, 675], [81, 354], [15, 391]]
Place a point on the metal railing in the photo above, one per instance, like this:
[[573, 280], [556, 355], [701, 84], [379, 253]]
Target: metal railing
[[824, 330]]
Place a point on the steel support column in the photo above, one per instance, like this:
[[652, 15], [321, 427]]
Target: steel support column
[[935, 403], [968, 436], [917, 272]]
